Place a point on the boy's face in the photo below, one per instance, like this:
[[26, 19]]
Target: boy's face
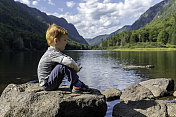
[[61, 43]]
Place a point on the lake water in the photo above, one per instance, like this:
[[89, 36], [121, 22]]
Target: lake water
[[98, 68]]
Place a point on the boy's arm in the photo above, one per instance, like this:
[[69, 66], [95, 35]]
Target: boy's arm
[[68, 61]]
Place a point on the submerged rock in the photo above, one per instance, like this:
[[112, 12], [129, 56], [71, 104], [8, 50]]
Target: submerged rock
[[29, 100], [134, 67], [112, 94]]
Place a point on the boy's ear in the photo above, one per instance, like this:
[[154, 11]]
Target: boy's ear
[[55, 40]]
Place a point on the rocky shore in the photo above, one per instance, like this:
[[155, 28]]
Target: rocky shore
[[144, 99]]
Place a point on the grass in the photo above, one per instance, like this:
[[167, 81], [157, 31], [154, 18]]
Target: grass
[[144, 49], [143, 46]]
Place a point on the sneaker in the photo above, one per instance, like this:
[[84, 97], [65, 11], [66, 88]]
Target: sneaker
[[82, 89]]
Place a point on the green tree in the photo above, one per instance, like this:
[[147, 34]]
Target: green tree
[[133, 38], [144, 35], [173, 37], [163, 37], [153, 34]]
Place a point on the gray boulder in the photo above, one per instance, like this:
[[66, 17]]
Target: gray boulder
[[174, 94], [159, 87], [29, 100], [136, 92], [112, 94], [142, 108], [171, 109], [139, 100]]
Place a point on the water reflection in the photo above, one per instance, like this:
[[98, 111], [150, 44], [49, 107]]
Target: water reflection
[[97, 71], [17, 67]]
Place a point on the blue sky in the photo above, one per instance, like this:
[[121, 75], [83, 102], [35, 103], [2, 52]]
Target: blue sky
[[94, 17]]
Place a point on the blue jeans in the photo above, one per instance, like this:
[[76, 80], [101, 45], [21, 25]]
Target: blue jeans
[[57, 75]]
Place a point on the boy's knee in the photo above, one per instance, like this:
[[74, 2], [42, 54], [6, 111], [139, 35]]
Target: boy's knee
[[58, 67]]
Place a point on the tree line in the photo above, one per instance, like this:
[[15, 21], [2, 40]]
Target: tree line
[[160, 33]]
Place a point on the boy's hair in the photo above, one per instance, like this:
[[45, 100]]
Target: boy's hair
[[54, 31]]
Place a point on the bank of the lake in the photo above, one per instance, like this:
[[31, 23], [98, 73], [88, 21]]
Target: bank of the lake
[[143, 49], [141, 46]]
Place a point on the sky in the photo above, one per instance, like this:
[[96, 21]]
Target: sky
[[94, 17]]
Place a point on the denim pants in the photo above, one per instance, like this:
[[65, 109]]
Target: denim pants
[[57, 75]]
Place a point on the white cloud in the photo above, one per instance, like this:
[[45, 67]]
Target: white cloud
[[35, 2], [61, 9], [70, 4], [106, 1], [27, 2], [95, 18], [50, 2]]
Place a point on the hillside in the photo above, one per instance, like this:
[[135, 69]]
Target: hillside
[[167, 11], [148, 16], [124, 28], [96, 40], [22, 27], [145, 18], [158, 33]]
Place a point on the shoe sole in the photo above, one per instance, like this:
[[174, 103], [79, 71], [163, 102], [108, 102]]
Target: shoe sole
[[80, 92]]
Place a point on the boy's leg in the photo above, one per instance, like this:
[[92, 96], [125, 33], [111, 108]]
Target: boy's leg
[[57, 75]]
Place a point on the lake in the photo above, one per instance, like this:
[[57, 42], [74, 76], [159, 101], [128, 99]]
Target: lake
[[98, 68]]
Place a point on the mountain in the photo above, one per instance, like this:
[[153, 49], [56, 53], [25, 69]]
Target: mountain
[[145, 18], [22, 27], [96, 40], [166, 11], [126, 27], [148, 16], [73, 33], [160, 32]]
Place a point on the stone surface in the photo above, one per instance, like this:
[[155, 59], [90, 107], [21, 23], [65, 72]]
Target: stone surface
[[29, 100], [136, 92], [142, 108], [159, 87], [174, 94], [171, 109], [139, 100], [112, 94], [134, 67]]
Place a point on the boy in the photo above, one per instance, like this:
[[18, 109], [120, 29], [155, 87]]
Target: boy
[[54, 65]]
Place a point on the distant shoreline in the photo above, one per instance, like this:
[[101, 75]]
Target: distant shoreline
[[144, 49]]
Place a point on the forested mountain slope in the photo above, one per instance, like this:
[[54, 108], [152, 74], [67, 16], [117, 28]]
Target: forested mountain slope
[[22, 27], [158, 33]]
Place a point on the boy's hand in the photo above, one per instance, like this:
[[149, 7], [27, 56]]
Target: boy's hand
[[79, 65]]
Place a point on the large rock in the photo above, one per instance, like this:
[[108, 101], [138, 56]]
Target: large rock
[[174, 94], [142, 108], [136, 92], [139, 100], [159, 87], [29, 100], [149, 89], [112, 94], [171, 109]]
